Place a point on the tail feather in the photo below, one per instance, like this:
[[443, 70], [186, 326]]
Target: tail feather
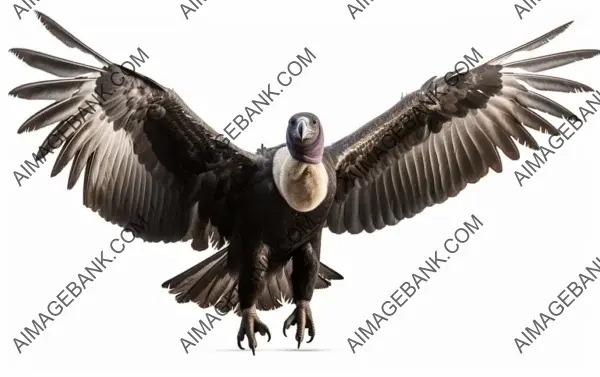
[[209, 294], [211, 283], [188, 283], [328, 273]]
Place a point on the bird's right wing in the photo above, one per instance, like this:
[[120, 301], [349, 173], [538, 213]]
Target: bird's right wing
[[144, 152]]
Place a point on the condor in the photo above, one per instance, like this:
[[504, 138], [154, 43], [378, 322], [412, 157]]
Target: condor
[[146, 153]]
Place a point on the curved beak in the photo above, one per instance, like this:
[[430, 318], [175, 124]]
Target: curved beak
[[302, 127]]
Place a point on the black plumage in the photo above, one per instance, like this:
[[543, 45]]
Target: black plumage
[[146, 153]]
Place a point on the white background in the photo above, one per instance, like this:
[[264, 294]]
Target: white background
[[535, 239]]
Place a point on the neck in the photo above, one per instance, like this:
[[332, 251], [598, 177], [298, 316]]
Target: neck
[[303, 185]]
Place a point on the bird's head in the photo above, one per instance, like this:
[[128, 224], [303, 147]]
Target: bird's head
[[304, 138]]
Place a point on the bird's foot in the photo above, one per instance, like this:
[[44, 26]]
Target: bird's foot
[[302, 318], [250, 325]]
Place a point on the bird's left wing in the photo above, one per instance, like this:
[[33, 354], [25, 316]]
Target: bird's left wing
[[144, 151], [436, 140]]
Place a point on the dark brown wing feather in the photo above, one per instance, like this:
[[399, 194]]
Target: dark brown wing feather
[[144, 152], [436, 140]]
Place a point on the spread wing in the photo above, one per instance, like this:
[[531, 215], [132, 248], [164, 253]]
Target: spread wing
[[144, 152], [436, 140]]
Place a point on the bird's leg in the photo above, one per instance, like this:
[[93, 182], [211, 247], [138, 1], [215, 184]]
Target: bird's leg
[[251, 280], [305, 262]]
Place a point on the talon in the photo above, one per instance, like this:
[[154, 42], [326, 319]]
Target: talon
[[302, 318], [250, 325], [263, 329], [290, 321], [311, 330]]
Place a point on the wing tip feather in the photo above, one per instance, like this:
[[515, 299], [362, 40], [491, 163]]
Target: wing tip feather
[[55, 171], [40, 15], [561, 29], [566, 25], [24, 127], [45, 20], [16, 51]]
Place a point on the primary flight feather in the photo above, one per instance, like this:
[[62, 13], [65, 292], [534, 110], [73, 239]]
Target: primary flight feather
[[146, 154]]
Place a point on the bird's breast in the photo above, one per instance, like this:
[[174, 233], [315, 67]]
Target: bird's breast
[[303, 186]]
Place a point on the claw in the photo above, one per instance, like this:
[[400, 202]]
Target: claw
[[250, 325], [302, 318], [311, 331], [289, 322]]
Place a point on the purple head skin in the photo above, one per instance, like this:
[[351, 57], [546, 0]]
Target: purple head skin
[[304, 138]]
